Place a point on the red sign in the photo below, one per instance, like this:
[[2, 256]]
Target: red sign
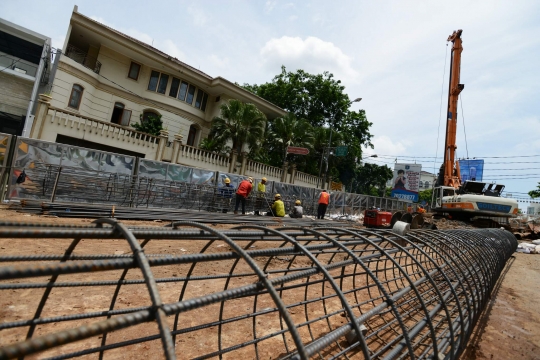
[[297, 150]]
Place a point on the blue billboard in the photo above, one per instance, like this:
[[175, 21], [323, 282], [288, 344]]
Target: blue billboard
[[471, 169]]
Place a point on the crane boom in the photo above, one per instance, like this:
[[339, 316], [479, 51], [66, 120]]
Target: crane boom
[[451, 171]]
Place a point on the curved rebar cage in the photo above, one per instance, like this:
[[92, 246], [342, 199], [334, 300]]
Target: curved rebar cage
[[191, 291]]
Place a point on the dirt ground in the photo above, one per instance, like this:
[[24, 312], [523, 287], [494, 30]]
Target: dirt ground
[[507, 329]]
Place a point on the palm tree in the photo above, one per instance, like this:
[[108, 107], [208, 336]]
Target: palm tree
[[288, 130], [241, 123]]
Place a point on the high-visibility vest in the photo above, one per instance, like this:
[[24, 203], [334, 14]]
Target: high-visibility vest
[[244, 189], [324, 198]]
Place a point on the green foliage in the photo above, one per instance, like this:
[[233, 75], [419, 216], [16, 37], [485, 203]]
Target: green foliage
[[535, 193], [371, 179], [215, 146], [425, 195], [243, 124], [287, 131], [151, 125], [320, 99]]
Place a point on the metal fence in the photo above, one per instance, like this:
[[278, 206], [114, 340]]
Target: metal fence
[[63, 173], [247, 292]]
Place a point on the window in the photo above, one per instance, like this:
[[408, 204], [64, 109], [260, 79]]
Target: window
[[191, 136], [148, 114], [163, 81], [76, 96], [120, 115], [200, 101], [426, 185], [154, 78], [190, 94], [158, 82], [175, 84], [183, 91], [420, 184], [134, 70]]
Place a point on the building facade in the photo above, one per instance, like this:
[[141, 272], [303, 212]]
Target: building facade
[[25, 63], [108, 80]]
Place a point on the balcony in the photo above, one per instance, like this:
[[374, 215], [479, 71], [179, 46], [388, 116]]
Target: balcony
[[82, 58]]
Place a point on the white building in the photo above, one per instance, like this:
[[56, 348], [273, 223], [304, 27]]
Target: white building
[[105, 81], [427, 180], [24, 73], [109, 78]]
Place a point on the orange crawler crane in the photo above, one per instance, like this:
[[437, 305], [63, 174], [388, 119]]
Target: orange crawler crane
[[451, 197]]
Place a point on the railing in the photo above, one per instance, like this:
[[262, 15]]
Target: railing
[[82, 58], [266, 170], [305, 178], [103, 128], [204, 156]]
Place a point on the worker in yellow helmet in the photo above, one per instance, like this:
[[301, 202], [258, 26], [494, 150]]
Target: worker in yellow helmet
[[297, 211], [225, 195], [278, 207], [261, 194]]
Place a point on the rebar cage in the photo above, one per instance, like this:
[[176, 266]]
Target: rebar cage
[[187, 290]]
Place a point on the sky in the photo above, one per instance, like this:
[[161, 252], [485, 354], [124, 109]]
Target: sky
[[393, 54]]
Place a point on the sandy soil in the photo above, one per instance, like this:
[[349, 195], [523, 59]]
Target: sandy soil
[[508, 328]]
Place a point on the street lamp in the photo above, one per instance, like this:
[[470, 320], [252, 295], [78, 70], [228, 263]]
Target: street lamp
[[326, 154]]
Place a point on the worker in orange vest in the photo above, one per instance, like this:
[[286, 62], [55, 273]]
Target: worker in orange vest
[[324, 200], [242, 193]]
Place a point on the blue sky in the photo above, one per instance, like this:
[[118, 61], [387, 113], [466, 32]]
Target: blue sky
[[390, 53]]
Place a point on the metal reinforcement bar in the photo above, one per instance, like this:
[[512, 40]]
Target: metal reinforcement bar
[[191, 291]]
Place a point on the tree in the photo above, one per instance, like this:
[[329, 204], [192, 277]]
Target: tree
[[151, 125], [535, 193], [425, 195], [214, 146], [243, 124], [320, 99], [371, 179], [287, 131]]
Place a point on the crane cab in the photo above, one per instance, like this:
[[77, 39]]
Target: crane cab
[[473, 198]]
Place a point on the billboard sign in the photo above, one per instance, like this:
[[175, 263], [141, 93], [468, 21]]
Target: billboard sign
[[471, 169], [406, 181]]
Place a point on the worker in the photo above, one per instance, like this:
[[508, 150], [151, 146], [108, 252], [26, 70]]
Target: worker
[[244, 189], [421, 209], [261, 194], [324, 200], [225, 195], [297, 211], [409, 208], [278, 207]]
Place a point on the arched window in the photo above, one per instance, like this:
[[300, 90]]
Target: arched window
[[76, 96], [192, 135], [420, 184], [148, 113], [120, 115], [427, 185]]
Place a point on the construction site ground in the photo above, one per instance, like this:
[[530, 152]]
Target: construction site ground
[[508, 328]]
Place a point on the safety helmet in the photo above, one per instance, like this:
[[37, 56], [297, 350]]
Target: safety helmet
[[277, 196], [227, 181], [298, 202], [263, 179], [250, 179]]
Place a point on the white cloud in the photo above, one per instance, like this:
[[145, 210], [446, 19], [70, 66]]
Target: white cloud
[[312, 54], [270, 5], [221, 63], [383, 145], [198, 15]]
